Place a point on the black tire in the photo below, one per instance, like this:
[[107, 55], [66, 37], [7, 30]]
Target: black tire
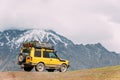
[[50, 70], [28, 68], [40, 67], [63, 68], [20, 58]]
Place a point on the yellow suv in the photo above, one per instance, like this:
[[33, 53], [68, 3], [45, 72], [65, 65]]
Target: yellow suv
[[41, 56]]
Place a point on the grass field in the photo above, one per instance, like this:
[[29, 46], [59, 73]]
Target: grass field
[[106, 73]]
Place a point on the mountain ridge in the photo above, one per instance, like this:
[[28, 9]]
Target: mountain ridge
[[80, 56]]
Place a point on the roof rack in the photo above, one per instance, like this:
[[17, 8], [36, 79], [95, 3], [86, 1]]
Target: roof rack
[[38, 44]]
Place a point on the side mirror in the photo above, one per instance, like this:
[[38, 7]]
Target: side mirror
[[55, 52]]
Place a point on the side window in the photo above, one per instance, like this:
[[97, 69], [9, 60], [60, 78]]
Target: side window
[[37, 53], [46, 54]]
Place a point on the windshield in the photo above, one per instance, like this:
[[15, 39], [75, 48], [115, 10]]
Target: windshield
[[52, 55]]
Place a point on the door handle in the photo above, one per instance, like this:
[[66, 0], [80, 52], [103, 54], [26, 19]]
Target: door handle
[[50, 59]]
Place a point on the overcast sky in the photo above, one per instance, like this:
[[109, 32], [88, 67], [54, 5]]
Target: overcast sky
[[82, 21]]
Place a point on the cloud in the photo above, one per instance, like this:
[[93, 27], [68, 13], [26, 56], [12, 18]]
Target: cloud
[[82, 21]]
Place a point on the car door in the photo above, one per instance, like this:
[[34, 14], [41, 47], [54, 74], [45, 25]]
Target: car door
[[46, 58], [54, 61], [37, 56]]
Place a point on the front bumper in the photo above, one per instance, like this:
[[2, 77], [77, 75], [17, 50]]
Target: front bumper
[[68, 66]]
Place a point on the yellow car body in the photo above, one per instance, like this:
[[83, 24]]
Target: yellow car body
[[47, 57]]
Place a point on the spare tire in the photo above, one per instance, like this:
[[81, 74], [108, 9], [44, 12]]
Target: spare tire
[[20, 58]]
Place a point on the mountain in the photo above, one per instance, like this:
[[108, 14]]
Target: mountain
[[80, 56]]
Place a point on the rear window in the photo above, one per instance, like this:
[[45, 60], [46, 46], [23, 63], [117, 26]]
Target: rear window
[[37, 53], [26, 50]]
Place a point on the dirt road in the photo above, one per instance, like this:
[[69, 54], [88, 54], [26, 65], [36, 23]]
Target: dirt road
[[107, 73]]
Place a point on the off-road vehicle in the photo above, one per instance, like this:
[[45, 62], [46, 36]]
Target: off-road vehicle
[[42, 56]]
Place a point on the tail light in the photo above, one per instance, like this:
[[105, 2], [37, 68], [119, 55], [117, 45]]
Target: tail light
[[28, 57], [31, 58]]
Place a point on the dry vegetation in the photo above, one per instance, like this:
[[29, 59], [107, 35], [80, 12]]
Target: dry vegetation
[[107, 73]]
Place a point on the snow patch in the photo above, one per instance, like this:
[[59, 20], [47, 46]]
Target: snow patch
[[1, 44]]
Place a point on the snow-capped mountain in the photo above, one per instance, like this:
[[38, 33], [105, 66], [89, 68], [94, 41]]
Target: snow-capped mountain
[[80, 56]]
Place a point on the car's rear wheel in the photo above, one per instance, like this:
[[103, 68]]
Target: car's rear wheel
[[63, 68], [50, 70], [40, 67], [28, 68]]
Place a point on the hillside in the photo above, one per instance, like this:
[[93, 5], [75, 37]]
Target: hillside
[[107, 73], [80, 56]]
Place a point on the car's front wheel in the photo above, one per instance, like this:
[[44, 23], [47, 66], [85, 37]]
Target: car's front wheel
[[63, 68], [40, 67]]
